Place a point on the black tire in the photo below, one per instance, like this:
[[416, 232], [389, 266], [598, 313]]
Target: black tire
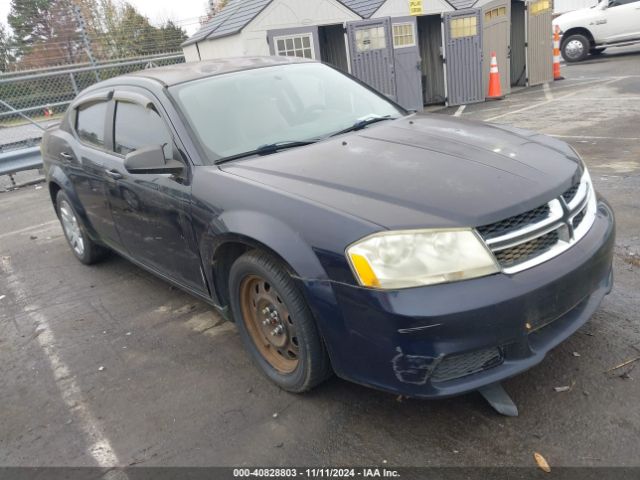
[[596, 51], [312, 365], [91, 252], [575, 48]]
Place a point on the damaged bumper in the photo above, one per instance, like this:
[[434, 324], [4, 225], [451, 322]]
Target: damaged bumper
[[448, 339]]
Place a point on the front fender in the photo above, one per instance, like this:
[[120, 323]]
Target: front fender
[[268, 233], [265, 230]]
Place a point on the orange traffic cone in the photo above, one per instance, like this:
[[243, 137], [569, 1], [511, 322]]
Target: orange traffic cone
[[556, 54], [495, 91]]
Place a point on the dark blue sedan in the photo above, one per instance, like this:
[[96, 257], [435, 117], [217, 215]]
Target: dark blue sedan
[[421, 255]]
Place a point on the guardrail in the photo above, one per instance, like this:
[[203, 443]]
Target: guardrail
[[15, 161]]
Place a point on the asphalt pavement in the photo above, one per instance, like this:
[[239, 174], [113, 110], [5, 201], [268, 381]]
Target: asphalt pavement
[[108, 365]]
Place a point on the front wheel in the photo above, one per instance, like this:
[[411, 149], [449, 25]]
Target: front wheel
[[275, 323], [575, 48]]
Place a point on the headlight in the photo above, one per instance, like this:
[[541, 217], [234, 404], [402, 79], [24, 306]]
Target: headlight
[[391, 260]]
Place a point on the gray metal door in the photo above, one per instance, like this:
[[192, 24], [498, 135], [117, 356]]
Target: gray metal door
[[295, 42], [518, 60], [539, 41], [371, 50], [496, 37], [406, 53], [463, 56]]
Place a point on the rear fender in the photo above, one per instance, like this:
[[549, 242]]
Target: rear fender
[[57, 176]]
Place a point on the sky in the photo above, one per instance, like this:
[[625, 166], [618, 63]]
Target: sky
[[185, 12]]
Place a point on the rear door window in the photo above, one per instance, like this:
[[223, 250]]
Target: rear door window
[[137, 127], [90, 123]]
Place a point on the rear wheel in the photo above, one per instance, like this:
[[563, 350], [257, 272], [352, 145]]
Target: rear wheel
[[275, 323], [575, 48], [84, 249]]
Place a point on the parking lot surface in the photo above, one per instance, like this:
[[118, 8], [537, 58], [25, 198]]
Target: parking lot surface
[[108, 365]]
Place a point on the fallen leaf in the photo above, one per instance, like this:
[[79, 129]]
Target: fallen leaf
[[542, 463]]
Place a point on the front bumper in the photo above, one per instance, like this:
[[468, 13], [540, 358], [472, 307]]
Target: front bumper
[[448, 339]]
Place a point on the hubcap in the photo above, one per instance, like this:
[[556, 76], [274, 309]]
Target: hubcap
[[71, 228], [269, 323], [574, 49]]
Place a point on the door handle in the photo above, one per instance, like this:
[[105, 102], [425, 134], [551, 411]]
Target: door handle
[[116, 175], [67, 157]]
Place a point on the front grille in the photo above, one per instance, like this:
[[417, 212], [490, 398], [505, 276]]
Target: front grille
[[527, 250], [569, 194], [518, 241], [456, 366], [516, 222]]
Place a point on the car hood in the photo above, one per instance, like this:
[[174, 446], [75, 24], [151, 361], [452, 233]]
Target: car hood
[[422, 171], [567, 20]]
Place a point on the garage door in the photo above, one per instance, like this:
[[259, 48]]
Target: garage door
[[496, 37], [539, 41], [463, 56], [371, 50], [406, 53]]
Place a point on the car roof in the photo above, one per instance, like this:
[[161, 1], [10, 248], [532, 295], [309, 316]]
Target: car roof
[[185, 72]]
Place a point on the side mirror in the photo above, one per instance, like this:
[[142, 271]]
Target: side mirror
[[151, 160]]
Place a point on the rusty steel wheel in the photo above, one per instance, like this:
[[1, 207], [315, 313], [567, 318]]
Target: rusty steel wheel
[[269, 323], [275, 323]]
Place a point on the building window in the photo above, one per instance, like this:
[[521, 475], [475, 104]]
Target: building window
[[373, 38], [295, 46], [464, 27], [495, 13], [403, 35], [539, 6]]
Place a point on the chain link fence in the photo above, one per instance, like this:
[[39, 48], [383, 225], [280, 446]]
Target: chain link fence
[[32, 100]]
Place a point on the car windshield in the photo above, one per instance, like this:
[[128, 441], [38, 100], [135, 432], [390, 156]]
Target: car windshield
[[241, 112]]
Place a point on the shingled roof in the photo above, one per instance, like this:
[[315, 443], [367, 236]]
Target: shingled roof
[[364, 8], [237, 14]]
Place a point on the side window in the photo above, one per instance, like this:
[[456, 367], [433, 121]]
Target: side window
[[90, 123], [138, 127]]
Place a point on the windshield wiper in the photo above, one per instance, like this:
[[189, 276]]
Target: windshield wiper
[[362, 123], [267, 149]]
